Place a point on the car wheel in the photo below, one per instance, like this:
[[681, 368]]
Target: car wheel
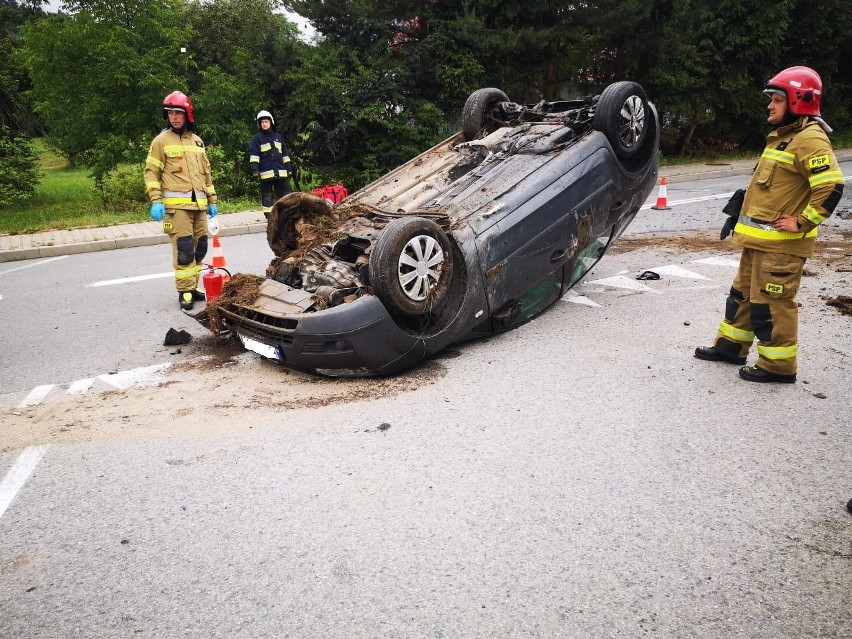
[[622, 116], [411, 266], [476, 110]]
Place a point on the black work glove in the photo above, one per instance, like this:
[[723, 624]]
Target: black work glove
[[728, 227], [732, 209]]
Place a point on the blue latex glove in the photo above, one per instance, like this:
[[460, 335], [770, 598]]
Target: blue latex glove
[[157, 211], [212, 210]]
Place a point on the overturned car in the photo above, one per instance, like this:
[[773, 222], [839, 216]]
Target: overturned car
[[475, 236]]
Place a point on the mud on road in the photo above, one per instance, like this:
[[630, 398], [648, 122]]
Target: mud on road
[[214, 387]]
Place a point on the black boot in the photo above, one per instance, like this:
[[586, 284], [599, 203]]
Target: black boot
[[186, 299], [198, 295], [755, 374], [712, 354]]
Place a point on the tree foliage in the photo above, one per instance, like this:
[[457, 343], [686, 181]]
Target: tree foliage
[[18, 167], [386, 79]]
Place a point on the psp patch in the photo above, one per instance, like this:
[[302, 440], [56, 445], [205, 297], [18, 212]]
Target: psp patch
[[774, 289], [167, 226], [819, 163]]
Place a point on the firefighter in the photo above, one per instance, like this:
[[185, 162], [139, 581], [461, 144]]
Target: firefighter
[[177, 176], [794, 188], [270, 161]]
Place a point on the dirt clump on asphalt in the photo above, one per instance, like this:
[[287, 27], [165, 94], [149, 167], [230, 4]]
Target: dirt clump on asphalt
[[842, 303], [242, 289]]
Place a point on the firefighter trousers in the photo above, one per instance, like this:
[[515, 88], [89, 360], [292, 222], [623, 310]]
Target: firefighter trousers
[[187, 230], [762, 305], [280, 186]]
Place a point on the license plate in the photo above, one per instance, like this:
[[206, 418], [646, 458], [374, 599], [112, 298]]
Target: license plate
[[264, 350]]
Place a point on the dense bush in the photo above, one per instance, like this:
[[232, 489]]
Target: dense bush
[[19, 172], [230, 174], [123, 188]]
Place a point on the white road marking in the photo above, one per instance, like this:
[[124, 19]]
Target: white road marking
[[37, 395], [579, 299], [691, 200], [127, 280], [677, 271], [18, 475], [80, 386], [620, 281], [134, 377], [718, 261], [138, 377], [44, 261]]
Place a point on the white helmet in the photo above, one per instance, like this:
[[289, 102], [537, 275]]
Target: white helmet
[[264, 114]]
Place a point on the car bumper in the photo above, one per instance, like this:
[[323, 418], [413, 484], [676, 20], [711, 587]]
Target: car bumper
[[357, 338]]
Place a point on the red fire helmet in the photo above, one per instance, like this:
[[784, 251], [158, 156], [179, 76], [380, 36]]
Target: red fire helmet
[[177, 101], [803, 88]]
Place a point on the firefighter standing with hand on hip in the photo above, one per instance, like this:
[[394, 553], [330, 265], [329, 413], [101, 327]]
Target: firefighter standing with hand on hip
[[795, 187], [179, 184], [270, 161]]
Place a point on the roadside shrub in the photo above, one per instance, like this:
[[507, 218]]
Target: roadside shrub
[[123, 188], [19, 172], [230, 175]]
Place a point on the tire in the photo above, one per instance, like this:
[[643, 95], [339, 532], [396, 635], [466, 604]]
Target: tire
[[622, 115], [476, 109], [411, 266]]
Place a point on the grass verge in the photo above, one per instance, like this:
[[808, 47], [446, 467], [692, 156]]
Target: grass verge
[[65, 198]]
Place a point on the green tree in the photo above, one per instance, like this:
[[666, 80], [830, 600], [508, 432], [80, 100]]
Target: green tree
[[99, 73], [240, 48], [18, 164], [18, 167]]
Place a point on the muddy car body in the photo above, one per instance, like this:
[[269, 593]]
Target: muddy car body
[[474, 236]]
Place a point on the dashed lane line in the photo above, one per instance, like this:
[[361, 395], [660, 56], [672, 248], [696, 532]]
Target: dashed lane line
[[39, 263], [127, 280], [621, 280], [137, 377], [18, 475]]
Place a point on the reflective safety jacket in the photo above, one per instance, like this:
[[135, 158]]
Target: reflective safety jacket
[[268, 155], [798, 175], [177, 171]]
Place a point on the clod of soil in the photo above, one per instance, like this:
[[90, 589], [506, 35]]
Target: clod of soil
[[242, 289], [842, 303]]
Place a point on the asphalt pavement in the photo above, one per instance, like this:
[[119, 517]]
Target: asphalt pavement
[[86, 240]]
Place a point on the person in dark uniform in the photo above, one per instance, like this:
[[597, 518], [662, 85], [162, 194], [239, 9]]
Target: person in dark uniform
[[270, 161]]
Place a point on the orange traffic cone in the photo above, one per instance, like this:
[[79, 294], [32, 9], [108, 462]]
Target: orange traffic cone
[[661, 204], [218, 258]]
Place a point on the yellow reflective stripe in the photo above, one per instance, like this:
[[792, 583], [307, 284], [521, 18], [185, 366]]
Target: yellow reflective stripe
[[189, 271], [254, 159], [266, 209], [175, 201], [779, 156], [210, 190], [286, 159], [278, 146], [180, 148], [772, 235], [735, 333], [153, 184], [282, 173], [778, 352], [265, 175], [152, 160], [823, 178], [813, 215], [265, 147]]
